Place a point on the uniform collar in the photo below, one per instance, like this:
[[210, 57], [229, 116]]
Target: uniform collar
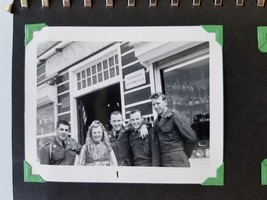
[[114, 133], [164, 112], [165, 117]]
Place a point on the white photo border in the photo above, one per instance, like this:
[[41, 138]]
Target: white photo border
[[171, 175]]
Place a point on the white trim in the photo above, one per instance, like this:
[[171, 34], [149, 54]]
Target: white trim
[[138, 88], [63, 83], [45, 135], [121, 82], [47, 78], [127, 52], [158, 84], [64, 72], [130, 64], [65, 92], [73, 106], [63, 113], [41, 75], [186, 59], [137, 103], [153, 84], [194, 60], [150, 52]]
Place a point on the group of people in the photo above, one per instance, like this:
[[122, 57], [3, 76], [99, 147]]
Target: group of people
[[168, 143]]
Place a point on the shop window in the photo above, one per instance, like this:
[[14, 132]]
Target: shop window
[[187, 90], [45, 119]]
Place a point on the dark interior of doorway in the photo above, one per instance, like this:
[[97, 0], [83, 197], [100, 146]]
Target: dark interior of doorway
[[98, 106]]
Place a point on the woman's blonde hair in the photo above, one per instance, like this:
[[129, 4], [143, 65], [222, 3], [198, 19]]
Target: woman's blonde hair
[[104, 139]]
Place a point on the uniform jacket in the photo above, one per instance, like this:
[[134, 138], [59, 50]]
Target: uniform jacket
[[53, 153], [175, 134], [121, 146], [145, 150]]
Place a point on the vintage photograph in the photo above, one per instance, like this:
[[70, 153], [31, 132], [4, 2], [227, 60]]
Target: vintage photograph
[[124, 107]]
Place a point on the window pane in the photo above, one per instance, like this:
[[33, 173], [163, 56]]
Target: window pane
[[117, 70], [62, 78], [63, 103], [78, 76], [99, 67], [111, 61], [65, 117], [106, 75], [84, 83], [116, 59], [105, 64], [40, 78], [94, 79], [88, 72], [93, 69], [63, 88], [89, 81], [100, 77], [112, 72], [41, 70], [79, 85], [83, 74]]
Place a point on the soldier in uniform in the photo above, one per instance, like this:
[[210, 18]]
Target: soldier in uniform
[[145, 151], [61, 150], [176, 138], [119, 138]]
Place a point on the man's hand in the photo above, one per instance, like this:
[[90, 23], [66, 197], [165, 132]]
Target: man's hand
[[143, 131]]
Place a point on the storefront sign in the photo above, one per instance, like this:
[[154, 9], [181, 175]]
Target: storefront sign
[[135, 79]]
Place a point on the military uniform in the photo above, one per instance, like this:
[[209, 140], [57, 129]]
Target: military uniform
[[176, 139], [54, 153], [121, 146], [145, 150]]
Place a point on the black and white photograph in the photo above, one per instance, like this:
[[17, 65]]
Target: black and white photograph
[[132, 104]]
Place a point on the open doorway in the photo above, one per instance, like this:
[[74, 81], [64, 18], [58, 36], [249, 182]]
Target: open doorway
[[97, 106]]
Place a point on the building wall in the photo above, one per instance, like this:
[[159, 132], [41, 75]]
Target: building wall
[[136, 97], [63, 96]]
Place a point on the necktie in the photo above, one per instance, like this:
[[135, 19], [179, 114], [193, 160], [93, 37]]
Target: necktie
[[64, 144], [117, 134], [159, 118]]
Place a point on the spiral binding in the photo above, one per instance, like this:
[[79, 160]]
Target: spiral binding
[[152, 3]]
